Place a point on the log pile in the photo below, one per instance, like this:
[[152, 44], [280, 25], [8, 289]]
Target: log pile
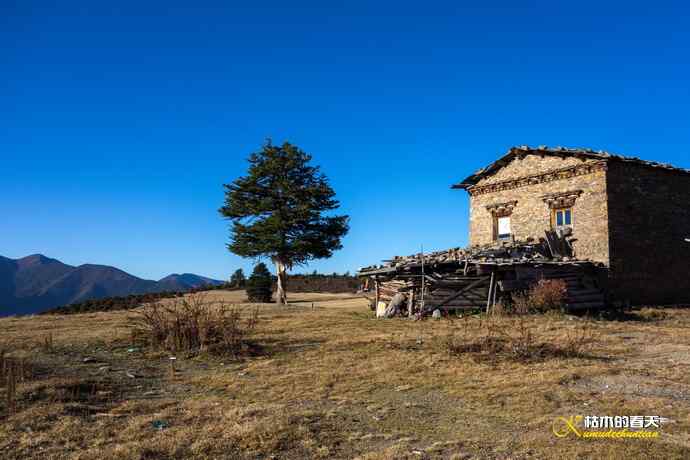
[[480, 277]]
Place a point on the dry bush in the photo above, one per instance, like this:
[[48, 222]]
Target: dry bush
[[650, 314], [191, 324], [544, 296], [548, 295], [491, 341], [13, 370]]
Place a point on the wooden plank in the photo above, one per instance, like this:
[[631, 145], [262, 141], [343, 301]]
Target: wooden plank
[[463, 290]]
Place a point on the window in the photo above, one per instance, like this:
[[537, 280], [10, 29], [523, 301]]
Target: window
[[500, 215], [503, 228], [562, 218]]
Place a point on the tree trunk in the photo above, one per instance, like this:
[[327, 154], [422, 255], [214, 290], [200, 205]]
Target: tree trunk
[[281, 297]]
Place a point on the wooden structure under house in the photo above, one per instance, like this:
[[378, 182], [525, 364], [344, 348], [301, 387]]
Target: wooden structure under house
[[479, 278]]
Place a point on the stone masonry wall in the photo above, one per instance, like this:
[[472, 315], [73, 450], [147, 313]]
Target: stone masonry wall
[[531, 216], [649, 212]]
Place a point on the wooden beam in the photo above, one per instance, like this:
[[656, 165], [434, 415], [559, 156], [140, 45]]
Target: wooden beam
[[491, 288]]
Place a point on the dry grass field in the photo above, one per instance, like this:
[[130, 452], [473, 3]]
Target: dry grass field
[[333, 382]]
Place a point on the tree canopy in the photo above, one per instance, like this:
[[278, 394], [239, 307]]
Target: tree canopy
[[280, 210]]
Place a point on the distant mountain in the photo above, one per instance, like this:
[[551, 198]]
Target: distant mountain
[[185, 282], [36, 283]]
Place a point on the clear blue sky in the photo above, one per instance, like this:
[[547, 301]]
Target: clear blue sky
[[121, 120]]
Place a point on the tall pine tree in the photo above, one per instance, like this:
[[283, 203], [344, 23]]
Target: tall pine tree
[[280, 210]]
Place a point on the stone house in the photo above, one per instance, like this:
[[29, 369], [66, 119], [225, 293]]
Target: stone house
[[631, 215]]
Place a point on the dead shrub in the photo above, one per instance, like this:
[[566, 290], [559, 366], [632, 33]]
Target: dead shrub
[[579, 341], [544, 296], [492, 341], [650, 314], [190, 324]]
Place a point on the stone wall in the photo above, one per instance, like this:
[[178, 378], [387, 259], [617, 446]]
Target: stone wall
[[531, 216], [649, 213]]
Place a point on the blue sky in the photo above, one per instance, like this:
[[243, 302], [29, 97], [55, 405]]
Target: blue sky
[[121, 122]]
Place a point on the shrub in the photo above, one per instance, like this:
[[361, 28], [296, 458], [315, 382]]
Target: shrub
[[493, 340], [546, 295], [260, 285], [193, 325]]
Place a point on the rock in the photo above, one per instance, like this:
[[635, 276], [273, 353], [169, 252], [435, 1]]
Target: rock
[[436, 314], [397, 302]]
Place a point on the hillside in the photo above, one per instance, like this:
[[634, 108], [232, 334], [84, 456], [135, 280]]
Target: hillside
[[332, 382], [185, 282], [36, 283]]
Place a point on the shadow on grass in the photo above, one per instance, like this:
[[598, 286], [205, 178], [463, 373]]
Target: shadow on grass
[[282, 346], [640, 316]]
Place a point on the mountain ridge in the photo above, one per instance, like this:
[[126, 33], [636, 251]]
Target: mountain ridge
[[36, 282]]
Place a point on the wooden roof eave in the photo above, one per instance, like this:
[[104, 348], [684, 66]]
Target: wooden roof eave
[[472, 180], [563, 152]]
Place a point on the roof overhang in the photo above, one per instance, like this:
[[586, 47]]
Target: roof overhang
[[584, 153]]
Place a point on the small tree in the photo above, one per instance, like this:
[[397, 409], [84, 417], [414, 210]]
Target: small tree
[[279, 211], [237, 280], [260, 284]]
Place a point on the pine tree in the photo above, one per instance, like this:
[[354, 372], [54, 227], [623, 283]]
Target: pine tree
[[260, 284], [279, 211], [237, 280]]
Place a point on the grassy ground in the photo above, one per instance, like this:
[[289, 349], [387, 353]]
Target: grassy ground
[[333, 382]]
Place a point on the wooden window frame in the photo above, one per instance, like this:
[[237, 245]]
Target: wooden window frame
[[506, 237], [500, 210], [554, 217]]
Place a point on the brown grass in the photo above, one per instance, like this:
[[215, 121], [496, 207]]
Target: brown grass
[[491, 340], [335, 383], [193, 324]]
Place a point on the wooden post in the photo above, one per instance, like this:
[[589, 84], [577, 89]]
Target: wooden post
[[376, 291], [410, 304], [491, 288], [493, 303], [422, 306]]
